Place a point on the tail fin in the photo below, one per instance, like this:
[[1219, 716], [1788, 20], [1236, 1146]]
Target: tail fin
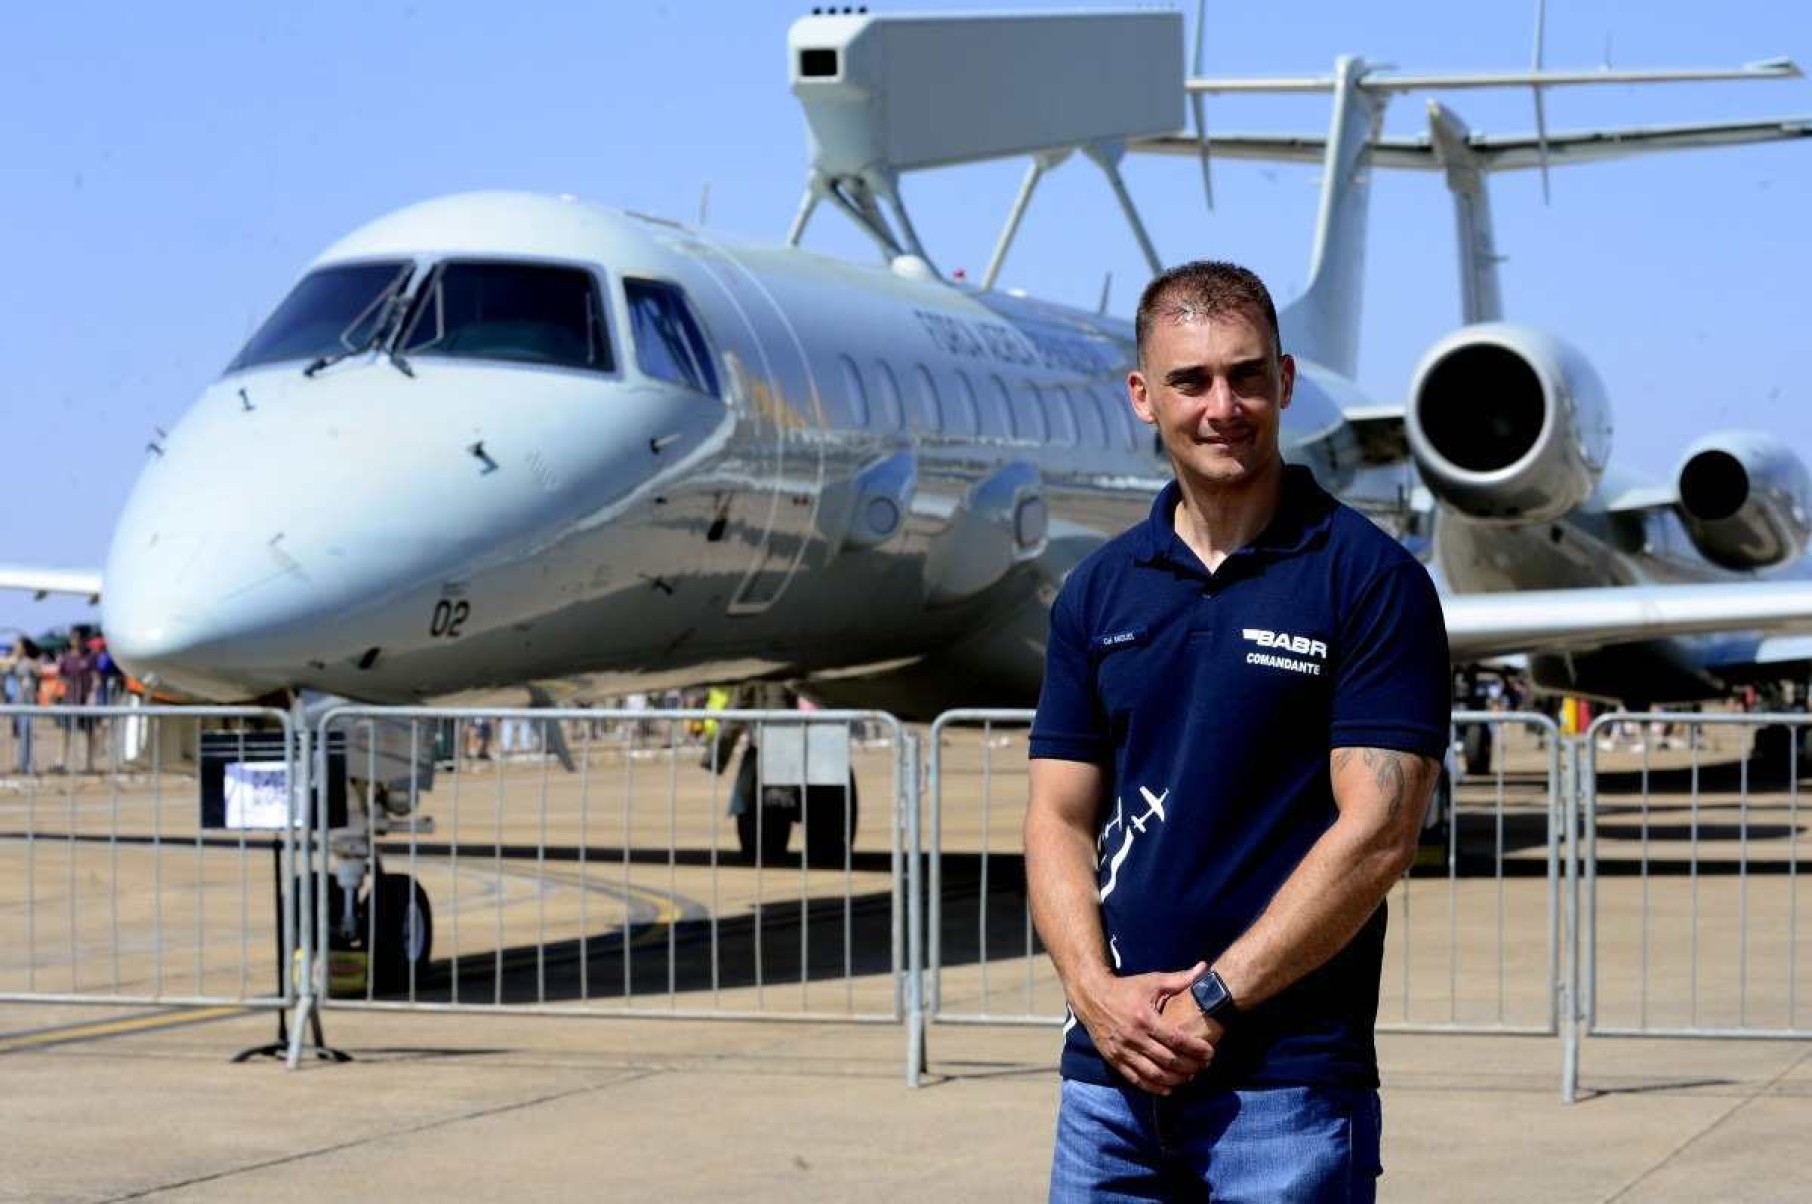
[[1480, 298], [1323, 323]]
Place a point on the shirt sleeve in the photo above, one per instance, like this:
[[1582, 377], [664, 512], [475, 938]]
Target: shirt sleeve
[[1070, 725], [1394, 685]]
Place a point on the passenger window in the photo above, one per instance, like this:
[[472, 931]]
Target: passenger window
[[997, 417], [964, 419], [1116, 413], [887, 394], [1063, 417], [854, 392], [668, 343], [1028, 414], [1093, 418], [931, 406], [522, 312]]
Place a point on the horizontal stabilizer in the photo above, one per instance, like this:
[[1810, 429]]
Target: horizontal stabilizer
[[43, 582], [1493, 152], [1482, 625]]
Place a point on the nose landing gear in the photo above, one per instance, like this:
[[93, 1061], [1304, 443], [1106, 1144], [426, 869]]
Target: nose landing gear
[[380, 925]]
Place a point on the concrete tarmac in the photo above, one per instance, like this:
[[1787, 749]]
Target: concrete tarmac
[[443, 1107]]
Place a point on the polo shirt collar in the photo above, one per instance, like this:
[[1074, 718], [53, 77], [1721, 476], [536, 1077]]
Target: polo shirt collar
[[1303, 513]]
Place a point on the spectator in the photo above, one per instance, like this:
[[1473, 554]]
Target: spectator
[[19, 687], [75, 669], [478, 739], [109, 680]]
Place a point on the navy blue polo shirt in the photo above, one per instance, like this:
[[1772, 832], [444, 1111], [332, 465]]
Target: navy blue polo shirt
[[1212, 700]]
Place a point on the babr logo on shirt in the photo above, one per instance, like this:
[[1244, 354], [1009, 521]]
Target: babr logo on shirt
[[1302, 645]]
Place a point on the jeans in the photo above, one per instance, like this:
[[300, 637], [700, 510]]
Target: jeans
[[1283, 1144]]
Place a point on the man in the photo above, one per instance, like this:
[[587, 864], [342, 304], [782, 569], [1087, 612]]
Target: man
[[1244, 706]]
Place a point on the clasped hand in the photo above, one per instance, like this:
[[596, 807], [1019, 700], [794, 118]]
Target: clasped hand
[[1149, 1028]]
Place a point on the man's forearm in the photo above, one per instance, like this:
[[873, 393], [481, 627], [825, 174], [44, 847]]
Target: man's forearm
[[1066, 906], [1319, 908], [1339, 883]]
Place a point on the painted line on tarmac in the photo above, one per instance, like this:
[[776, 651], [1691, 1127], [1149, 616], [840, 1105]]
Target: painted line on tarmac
[[65, 1034]]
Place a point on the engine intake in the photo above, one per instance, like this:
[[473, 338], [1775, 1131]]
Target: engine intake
[[1745, 500], [1508, 423]]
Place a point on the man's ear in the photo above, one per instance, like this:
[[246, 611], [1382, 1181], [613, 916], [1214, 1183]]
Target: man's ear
[[1141, 399], [1286, 368]]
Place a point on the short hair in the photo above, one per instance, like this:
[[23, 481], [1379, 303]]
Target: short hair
[[1205, 287]]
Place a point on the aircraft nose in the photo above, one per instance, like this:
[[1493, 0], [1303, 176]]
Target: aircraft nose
[[182, 612]]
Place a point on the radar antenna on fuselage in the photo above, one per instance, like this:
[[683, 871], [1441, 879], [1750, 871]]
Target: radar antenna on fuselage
[[885, 95]]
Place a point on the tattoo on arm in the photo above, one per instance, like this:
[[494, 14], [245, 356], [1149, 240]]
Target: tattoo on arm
[[1397, 775]]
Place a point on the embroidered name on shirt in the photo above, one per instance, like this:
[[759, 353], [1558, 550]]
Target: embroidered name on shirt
[[1119, 638], [1283, 641]]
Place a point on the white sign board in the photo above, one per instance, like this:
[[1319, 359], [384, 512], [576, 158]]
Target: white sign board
[[799, 754], [257, 796]]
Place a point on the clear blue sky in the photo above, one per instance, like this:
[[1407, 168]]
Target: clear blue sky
[[169, 168]]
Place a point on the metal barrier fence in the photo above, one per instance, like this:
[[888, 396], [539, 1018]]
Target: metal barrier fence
[[629, 862], [1474, 943], [643, 862], [968, 926], [1692, 863], [1476, 927], [148, 856]]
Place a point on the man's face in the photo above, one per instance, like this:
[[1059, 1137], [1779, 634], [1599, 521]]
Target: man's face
[[1216, 390]]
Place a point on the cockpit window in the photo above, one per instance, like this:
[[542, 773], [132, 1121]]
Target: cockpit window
[[668, 343], [524, 312], [332, 312]]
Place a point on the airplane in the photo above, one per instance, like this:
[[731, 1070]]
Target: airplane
[[497, 439]]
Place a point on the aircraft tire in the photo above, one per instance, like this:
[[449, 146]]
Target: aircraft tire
[[329, 942], [336, 900], [404, 933], [829, 832]]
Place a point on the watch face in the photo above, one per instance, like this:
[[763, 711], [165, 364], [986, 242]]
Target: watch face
[[1210, 994]]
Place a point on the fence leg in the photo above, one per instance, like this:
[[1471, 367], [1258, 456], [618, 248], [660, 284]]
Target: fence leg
[[1569, 990], [311, 792], [915, 922]]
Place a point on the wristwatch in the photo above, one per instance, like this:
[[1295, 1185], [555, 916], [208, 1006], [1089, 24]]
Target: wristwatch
[[1213, 997]]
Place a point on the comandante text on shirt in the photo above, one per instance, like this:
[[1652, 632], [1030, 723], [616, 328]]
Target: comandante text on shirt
[[1283, 662]]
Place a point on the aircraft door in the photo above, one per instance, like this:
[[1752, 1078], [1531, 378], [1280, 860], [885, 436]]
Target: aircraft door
[[778, 420]]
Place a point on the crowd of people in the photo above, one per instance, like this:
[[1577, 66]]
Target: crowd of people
[[71, 668]]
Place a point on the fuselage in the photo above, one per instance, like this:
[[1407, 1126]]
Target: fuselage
[[425, 517]]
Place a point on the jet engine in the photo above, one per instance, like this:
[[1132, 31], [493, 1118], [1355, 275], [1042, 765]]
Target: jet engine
[[1508, 423], [1745, 500]]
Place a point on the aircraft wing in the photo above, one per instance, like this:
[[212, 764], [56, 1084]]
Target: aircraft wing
[[44, 582], [1494, 152], [1484, 625]]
